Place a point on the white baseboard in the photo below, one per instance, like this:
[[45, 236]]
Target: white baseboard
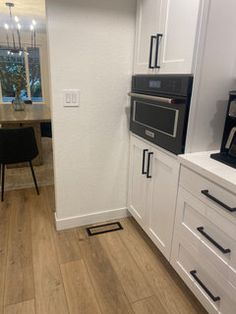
[[77, 221]]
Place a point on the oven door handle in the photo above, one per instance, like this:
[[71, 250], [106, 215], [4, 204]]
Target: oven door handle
[[155, 98]]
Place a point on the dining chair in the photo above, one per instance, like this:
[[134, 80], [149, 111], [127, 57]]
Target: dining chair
[[46, 129], [16, 146], [28, 102]]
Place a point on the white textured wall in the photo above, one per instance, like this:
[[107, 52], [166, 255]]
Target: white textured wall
[[215, 77], [91, 48]]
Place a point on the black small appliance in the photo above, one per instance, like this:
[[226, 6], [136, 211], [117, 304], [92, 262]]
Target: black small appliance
[[227, 153], [160, 109]]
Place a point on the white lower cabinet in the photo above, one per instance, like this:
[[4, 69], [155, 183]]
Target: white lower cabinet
[[153, 184], [161, 200], [195, 229], [138, 183], [215, 293], [204, 241]]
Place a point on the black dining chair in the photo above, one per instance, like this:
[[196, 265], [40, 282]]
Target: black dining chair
[[28, 102], [17, 146], [46, 129]]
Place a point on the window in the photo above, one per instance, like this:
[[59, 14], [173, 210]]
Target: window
[[31, 65], [8, 64], [34, 75]]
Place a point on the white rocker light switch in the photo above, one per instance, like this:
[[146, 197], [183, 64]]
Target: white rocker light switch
[[71, 98]]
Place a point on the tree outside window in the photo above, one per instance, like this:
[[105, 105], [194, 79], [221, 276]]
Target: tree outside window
[[29, 65], [34, 74]]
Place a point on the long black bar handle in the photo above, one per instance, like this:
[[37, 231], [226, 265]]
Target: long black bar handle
[[143, 163], [209, 238], [157, 50], [150, 53], [148, 165], [193, 273], [207, 194]]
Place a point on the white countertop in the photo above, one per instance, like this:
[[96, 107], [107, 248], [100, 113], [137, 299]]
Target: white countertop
[[210, 168]]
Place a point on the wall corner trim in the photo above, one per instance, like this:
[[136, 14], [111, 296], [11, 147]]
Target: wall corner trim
[[78, 221]]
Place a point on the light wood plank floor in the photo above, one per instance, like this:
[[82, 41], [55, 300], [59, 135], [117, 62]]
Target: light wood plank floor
[[47, 272]]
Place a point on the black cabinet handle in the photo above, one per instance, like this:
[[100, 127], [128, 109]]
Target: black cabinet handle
[[150, 53], [143, 163], [209, 238], [157, 50], [148, 165], [193, 273], [207, 194]]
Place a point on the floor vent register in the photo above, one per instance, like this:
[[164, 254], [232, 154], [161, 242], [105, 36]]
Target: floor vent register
[[99, 229]]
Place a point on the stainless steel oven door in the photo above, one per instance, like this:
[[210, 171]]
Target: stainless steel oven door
[[157, 117], [160, 120]]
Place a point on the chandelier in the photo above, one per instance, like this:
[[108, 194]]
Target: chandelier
[[13, 33]]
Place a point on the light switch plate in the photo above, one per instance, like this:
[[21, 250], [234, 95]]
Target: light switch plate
[[71, 98]]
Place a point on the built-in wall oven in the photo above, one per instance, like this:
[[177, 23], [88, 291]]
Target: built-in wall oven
[[160, 108]]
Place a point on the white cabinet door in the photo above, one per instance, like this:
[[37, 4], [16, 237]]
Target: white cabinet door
[[147, 24], [152, 196], [137, 180], [178, 22], [179, 26], [162, 200]]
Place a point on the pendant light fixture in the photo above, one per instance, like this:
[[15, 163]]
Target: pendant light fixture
[[13, 33]]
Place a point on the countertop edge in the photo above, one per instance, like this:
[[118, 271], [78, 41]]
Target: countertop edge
[[216, 173]]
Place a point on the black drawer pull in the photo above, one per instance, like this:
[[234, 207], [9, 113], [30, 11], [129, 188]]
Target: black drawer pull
[[143, 163], [157, 50], [148, 165], [207, 194], [150, 53], [224, 251], [193, 273]]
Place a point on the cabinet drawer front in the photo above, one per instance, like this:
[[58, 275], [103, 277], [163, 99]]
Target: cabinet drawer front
[[209, 192], [216, 294], [214, 238]]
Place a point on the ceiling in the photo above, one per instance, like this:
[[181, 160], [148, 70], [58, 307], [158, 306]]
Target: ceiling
[[26, 10]]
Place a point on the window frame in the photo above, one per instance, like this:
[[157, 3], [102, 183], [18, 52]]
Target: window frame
[[26, 61]]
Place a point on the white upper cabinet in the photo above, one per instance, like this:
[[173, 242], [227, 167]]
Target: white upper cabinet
[[173, 25], [148, 23], [179, 34]]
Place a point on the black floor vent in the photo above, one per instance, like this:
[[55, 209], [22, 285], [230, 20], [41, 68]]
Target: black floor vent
[[99, 229]]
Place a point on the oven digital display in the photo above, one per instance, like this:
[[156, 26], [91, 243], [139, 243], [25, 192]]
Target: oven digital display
[[154, 84]]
